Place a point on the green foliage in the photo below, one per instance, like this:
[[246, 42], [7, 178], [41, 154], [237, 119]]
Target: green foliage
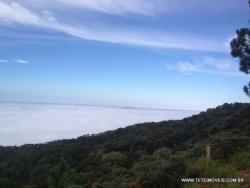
[[6, 183], [241, 160], [147, 155], [114, 158]]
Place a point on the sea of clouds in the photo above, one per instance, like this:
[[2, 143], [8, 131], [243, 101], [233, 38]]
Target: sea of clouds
[[22, 123]]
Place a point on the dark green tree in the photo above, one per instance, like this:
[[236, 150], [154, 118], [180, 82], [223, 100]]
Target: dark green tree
[[7, 183], [240, 48]]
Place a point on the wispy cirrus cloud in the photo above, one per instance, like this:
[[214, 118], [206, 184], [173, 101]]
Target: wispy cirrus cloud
[[188, 67], [120, 7], [15, 13], [3, 61], [209, 65], [221, 63], [147, 7], [21, 61]]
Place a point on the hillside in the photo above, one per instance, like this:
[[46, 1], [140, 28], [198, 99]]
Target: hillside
[[147, 155]]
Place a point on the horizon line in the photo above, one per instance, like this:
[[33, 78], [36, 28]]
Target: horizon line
[[101, 105]]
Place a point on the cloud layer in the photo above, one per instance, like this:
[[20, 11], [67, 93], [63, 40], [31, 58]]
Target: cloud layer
[[34, 123]]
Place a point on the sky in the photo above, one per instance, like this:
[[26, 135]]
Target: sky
[[143, 53]]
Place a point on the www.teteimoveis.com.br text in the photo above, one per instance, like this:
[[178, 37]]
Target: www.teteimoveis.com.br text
[[212, 180]]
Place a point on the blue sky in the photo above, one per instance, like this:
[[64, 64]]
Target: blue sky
[[159, 53]]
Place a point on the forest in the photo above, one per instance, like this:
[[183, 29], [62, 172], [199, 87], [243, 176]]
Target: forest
[[146, 155]]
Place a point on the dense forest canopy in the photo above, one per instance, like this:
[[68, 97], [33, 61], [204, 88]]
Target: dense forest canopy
[[148, 155]]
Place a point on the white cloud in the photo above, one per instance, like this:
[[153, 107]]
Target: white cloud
[[149, 7], [21, 61], [14, 13], [143, 7], [34, 123], [3, 61], [187, 68], [207, 65], [221, 64]]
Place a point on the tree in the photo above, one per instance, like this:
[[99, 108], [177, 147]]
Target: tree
[[6, 183], [240, 47], [114, 158]]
